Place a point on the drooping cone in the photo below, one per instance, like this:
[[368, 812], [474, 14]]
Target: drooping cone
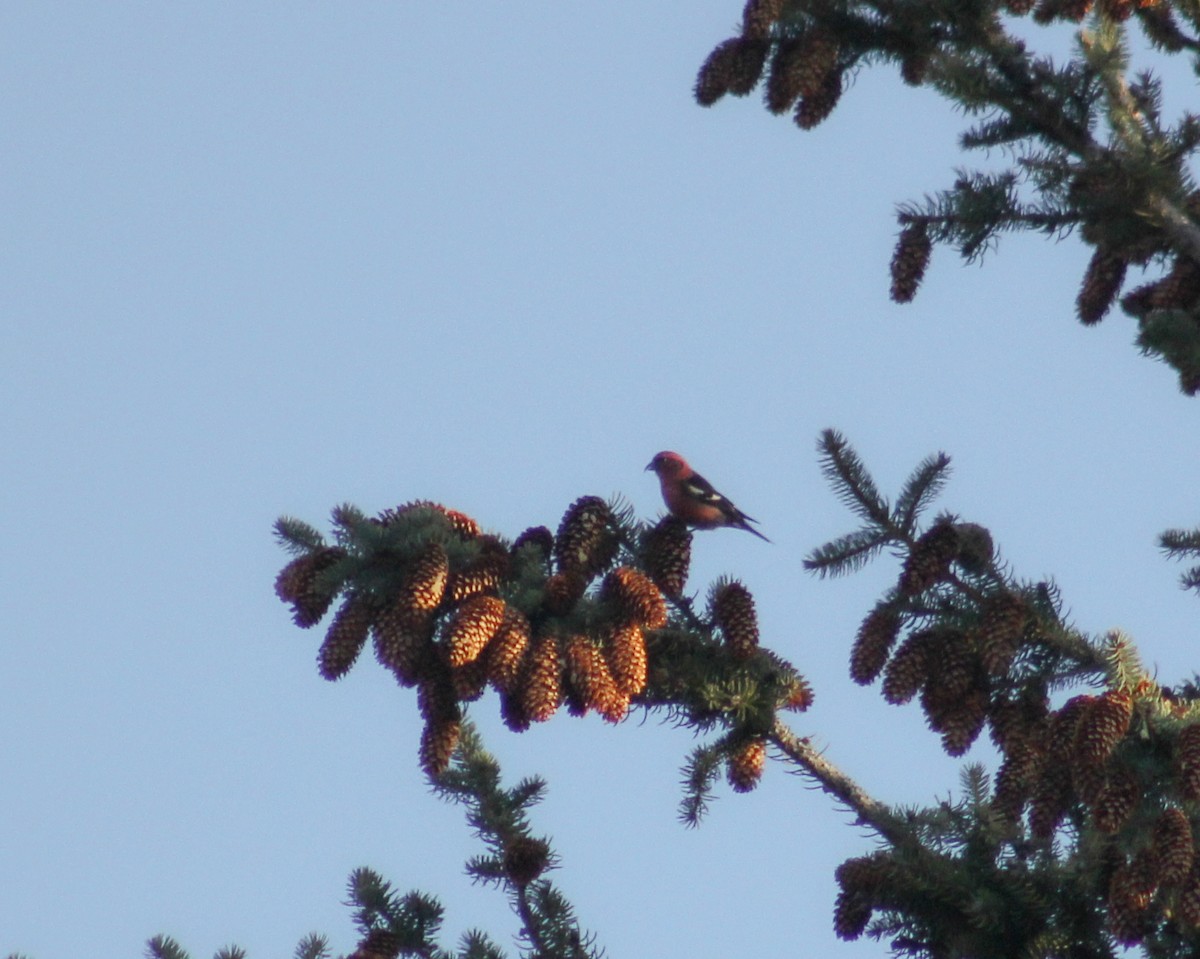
[[962, 726], [296, 585], [526, 858], [589, 676], [346, 637], [758, 16], [1172, 848], [1188, 903], [929, 560], [403, 641], [1100, 286], [1102, 726], [507, 652], [1187, 762], [472, 628], [786, 75], [1016, 778], [1116, 801], [438, 740], [1128, 903], [586, 543], [717, 73], [1000, 629], [636, 597], [910, 261], [909, 670], [542, 693], [745, 764], [875, 638], [425, 584], [484, 575], [667, 554], [814, 108], [563, 591], [469, 680], [378, 944], [537, 538], [732, 609], [627, 659]]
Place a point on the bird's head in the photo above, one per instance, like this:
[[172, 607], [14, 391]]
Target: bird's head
[[668, 464]]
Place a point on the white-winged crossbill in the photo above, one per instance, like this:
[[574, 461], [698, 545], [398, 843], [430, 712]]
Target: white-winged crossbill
[[691, 498]]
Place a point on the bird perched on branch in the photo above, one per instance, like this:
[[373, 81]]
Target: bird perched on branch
[[691, 498]]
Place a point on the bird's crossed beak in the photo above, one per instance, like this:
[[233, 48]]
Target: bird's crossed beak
[[649, 466]]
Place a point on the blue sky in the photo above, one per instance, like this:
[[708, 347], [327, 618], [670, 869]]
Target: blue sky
[[263, 258]]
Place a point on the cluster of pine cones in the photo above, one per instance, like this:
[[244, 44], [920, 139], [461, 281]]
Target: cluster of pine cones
[[545, 621]]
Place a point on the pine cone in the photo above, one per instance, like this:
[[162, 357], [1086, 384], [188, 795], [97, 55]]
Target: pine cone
[[745, 764], [425, 583], [542, 693], [637, 599], [1049, 801], [470, 680], [346, 637], [1117, 800], [586, 543], [928, 562], [472, 628], [1102, 726], [506, 655], [1187, 762], [874, 642], [403, 641], [667, 554], [1016, 779], [1172, 848], [525, 859], [717, 73], [536, 537], [732, 610], [751, 57], [483, 575], [999, 632], [786, 75], [438, 741], [1101, 284], [1128, 902], [1187, 906], [627, 659], [589, 676], [962, 725], [759, 16], [909, 670], [563, 591], [296, 584], [815, 107], [910, 261]]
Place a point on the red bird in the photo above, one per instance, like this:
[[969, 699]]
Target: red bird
[[691, 497]]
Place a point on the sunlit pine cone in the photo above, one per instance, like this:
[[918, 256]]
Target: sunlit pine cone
[[1172, 847], [1000, 629], [1016, 778], [907, 672], [910, 260], [472, 627], [1187, 904], [438, 741], [1100, 286], [814, 108], [506, 654], [586, 543], [627, 658], [542, 693], [745, 764], [483, 575], [403, 640], [667, 555], [296, 585], [799, 695], [758, 16], [425, 583], [536, 537], [588, 674], [636, 597], [732, 609], [563, 591], [1187, 762], [1102, 727], [874, 642], [928, 563], [525, 859], [1117, 800], [462, 524], [346, 636]]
